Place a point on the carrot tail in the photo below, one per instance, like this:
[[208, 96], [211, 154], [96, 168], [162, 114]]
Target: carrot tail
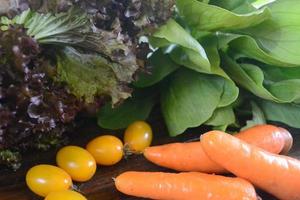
[[184, 186]]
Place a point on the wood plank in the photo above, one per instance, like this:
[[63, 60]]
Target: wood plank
[[12, 185]]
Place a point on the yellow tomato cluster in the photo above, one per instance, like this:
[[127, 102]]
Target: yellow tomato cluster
[[79, 164]]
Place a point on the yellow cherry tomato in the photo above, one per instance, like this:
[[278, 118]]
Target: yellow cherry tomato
[[138, 136], [107, 149], [77, 162], [65, 195], [43, 179]]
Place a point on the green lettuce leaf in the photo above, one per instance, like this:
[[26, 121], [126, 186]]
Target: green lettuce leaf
[[236, 6], [137, 107], [205, 17], [190, 99], [252, 78], [288, 113], [246, 47], [189, 52], [161, 66], [222, 117], [261, 3], [89, 76], [228, 4], [276, 74], [279, 36]]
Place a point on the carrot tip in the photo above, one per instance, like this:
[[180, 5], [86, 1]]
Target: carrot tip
[[288, 141]]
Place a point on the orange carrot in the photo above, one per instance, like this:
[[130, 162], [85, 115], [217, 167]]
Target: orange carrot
[[288, 141], [191, 157], [277, 174], [184, 186], [271, 138], [182, 157]]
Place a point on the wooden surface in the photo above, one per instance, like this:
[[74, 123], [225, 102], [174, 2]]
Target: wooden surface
[[12, 185]]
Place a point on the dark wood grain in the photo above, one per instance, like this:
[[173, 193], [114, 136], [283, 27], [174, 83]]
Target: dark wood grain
[[12, 185]]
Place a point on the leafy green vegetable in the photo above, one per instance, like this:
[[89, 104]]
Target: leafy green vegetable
[[279, 36], [276, 74], [247, 47], [68, 28], [222, 117], [190, 99], [137, 107], [260, 3], [206, 17], [89, 76], [258, 116], [252, 78], [249, 76], [62, 28], [60, 58], [228, 4], [107, 67], [217, 45], [173, 33], [161, 66], [285, 113], [211, 47]]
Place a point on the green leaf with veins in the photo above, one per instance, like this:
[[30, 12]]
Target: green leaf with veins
[[191, 98], [279, 36], [244, 46], [252, 78], [288, 113], [205, 17], [188, 51], [210, 43]]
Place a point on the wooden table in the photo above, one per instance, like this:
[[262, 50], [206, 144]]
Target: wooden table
[[101, 187]]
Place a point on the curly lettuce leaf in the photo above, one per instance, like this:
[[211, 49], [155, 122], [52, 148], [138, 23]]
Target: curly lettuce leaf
[[90, 76], [108, 49]]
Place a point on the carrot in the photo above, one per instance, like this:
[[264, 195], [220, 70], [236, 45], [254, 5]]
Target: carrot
[[288, 141], [277, 174], [182, 157], [271, 138], [191, 157], [184, 186]]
